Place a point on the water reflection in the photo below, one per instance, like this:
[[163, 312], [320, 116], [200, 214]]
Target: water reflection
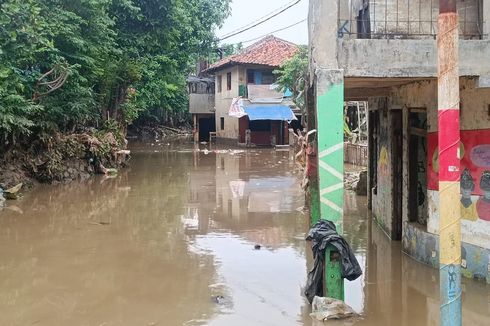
[[170, 241]]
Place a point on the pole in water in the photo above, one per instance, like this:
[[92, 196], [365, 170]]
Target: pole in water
[[449, 165]]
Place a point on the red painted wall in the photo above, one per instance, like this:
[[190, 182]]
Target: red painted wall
[[475, 147]]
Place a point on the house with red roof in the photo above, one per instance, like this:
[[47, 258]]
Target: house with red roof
[[249, 107]]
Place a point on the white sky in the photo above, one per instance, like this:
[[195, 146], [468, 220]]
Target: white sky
[[247, 11]]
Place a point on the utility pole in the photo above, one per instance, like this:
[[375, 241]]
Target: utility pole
[[449, 164]]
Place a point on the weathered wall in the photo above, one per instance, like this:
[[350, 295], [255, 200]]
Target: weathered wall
[[395, 57], [408, 58], [474, 116], [224, 99], [201, 103], [421, 242], [322, 30], [382, 195]]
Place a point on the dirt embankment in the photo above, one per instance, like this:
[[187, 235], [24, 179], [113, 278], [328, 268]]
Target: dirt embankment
[[157, 132], [63, 158]]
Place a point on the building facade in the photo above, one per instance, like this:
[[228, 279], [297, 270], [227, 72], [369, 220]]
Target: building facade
[[202, 106], [249, 76], [386, 53]]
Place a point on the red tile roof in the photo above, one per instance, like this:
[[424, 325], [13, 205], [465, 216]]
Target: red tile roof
[[270, 51]]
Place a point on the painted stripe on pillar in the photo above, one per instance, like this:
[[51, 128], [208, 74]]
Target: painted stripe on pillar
[[330, 119], [449, 138]]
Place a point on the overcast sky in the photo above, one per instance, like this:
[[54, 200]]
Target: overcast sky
[[248, 11]]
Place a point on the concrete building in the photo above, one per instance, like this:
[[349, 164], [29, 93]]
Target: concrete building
[[385, 52], [201, 105], [249, 75]]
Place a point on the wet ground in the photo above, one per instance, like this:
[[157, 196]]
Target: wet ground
[[172, 241]]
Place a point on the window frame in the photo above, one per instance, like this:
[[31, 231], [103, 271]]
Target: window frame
[[220, 83], [228, 81]]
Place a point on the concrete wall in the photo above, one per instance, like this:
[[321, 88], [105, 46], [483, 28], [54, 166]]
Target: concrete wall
[[475, 119], [322, 30], [391, 58], [382, 195], [201, 103], [408, 58], [224, 99]]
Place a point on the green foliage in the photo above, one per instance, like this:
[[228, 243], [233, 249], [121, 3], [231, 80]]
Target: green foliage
[[292, 76], [125, 60]]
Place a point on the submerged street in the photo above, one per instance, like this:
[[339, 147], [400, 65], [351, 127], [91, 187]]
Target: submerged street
[[188, 236]]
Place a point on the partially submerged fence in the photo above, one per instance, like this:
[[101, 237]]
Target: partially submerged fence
[[356, 154]]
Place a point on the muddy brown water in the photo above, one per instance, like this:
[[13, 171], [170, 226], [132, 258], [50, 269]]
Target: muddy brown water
[[171, 241]]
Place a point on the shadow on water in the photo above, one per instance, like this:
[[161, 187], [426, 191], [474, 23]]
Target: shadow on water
[[172, 241]]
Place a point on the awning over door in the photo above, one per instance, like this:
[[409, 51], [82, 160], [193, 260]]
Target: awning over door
[[269, 112]]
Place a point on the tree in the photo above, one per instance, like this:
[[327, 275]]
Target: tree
[[293, 75], [119, 60]]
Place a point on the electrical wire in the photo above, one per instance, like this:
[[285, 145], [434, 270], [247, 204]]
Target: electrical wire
[[259, 22], [277, 30], [259, 19]]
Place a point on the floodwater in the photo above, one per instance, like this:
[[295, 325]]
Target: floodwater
[[171, 241]]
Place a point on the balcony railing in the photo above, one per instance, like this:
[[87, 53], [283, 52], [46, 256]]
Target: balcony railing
[[404, 19]]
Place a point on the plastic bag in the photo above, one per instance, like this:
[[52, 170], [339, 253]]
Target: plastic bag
[[329, 308]]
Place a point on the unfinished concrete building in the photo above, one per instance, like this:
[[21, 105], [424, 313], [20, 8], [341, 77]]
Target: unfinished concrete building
[[385, 52]]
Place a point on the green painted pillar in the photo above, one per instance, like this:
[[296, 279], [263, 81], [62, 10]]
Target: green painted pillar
[[330, 122], [334, 283]]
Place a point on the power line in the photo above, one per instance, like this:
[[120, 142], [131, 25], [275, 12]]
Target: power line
[[277, 30], [259, 19], [259, 22]]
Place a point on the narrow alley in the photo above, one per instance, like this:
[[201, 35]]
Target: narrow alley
[[174, 240]]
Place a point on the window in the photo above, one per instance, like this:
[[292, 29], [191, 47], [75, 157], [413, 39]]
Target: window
[[268, 78], [220, 82], [228, 81], [222, 123], [250, 76]]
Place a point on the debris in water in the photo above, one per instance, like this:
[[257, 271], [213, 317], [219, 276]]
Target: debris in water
[[13, 209], [329, 308], [2, 199], [111, 171], [13, 193], [219, 299], [99, 223]]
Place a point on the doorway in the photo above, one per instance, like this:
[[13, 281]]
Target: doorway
[[206, 125], [397, 168], [417, 166], [373, 140]]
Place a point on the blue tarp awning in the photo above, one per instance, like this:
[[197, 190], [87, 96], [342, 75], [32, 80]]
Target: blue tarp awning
[[269, 112]]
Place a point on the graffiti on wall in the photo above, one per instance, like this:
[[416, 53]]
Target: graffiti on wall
[[475, 172]]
